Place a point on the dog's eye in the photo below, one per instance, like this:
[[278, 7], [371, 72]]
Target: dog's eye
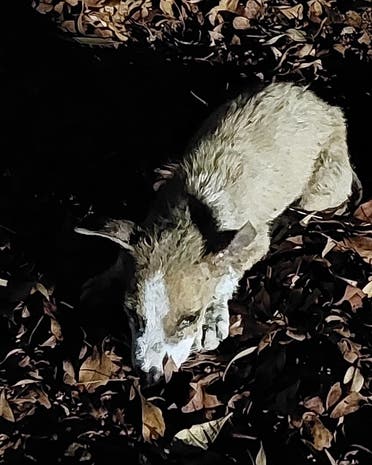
[[187, 321]]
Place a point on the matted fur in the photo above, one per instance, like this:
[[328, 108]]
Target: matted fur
[[283, 145]]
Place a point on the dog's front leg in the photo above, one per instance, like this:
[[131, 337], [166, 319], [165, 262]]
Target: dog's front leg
[[216, 325]]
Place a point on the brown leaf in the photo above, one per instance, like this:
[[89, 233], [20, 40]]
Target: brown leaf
[[56, 330], [301, 53], [241, 354], [349, 349], [42, 398], [5, 410], [241, 23], [367, 289], [236, 326], [69, 373], [153, 425], [315, 404], [204, 434], [365, 38], [334, 395], [349, 374], [169, 368], [362, 245], [224, 5], [44, 8], [353, 18], [354, 296], [201, 399], [340, 48], [97, 370], [364, 212], [293, 12], [321, 437], [261, 456], [69, 26], [349, 404], [166, 7], [358, 381], [297, 35], [315, 11], [253, 9], [43, 290]]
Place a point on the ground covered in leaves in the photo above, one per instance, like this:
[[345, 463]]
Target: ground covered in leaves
[[292, 384]]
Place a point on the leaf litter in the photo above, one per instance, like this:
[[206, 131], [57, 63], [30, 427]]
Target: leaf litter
[[292, 38], [307, 367]]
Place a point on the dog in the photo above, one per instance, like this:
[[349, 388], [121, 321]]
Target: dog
[[255, 156]]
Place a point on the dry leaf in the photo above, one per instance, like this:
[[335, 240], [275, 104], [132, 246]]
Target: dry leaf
[[315, 404], [204, 434], [367, 289], [349, 349], [236, 326], [43, 290], [166, 7], [42, 398], [360, 244], [241, 23], [334, 395], [5, 410], [321, 437], [315, 11], [200, 399], [153, 425], [44, 8], [340, 48], [169, 368], [294, 12], [253, 9], [261, 456], [365, 38], [56, 330], [69, 373], [69, 26], [349, 374], [353, 18], [97, 370], [297, 35], [241, 354], [354, 296], [364, 212], [349, 404], [301, 53], [224, 5], [358, 381]]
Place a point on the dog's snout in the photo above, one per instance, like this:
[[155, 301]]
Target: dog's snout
[[151, 377]]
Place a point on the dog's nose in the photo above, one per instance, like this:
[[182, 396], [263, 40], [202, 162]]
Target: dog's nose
[[151, 377]]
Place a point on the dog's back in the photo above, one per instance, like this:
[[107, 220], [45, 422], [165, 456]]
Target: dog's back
[[263, 153]]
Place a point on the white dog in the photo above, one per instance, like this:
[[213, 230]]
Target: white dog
[[260, 155]]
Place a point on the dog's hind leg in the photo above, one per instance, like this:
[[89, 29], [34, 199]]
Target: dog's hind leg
[[332, 179]]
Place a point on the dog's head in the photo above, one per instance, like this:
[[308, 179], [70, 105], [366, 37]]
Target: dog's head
[[175, 283]]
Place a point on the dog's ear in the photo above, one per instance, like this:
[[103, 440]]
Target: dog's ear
[[242, 239], [237, 248], [118, 231]]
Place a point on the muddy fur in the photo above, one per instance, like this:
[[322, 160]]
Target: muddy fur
[[282, 146]]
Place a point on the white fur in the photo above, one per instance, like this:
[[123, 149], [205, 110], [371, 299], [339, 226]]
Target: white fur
[[152, 346], [261, 158]]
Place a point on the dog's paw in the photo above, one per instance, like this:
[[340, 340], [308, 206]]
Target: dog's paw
[[216, 327]]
